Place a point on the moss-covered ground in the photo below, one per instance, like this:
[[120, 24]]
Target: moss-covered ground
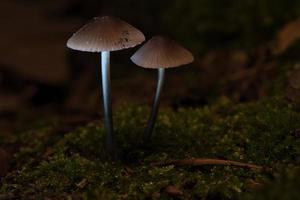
[[72, 164]]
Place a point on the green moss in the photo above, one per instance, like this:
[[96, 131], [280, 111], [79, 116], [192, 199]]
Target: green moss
[[263, 133]]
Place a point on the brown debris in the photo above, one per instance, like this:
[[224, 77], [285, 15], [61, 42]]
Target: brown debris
[[206, 161], [82, 183], [173, 191], [253, 185], [287, 36]]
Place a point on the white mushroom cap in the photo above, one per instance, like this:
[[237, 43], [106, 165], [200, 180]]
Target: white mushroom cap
[[105, 34], [160, 52]]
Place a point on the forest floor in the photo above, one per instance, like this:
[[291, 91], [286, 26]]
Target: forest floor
[[253, 149]]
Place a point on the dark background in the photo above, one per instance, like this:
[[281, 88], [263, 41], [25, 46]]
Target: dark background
[[243, 49]]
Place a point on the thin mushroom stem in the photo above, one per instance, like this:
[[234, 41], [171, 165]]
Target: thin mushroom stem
[[108, 122], [152, 118]]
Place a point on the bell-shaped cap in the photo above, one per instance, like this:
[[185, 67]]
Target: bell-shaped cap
[[105, 34], [161, 52]]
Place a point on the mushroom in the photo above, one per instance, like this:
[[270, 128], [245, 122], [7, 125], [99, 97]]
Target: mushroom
[[104, 34], [160, 53]]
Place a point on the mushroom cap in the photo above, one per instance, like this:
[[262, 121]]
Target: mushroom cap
[[161, 52], [105, 34]]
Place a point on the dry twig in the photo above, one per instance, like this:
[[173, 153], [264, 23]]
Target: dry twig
[[206, 161]]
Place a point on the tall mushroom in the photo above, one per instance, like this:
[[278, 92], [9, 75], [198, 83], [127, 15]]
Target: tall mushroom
[[160, 53], [105, 34]]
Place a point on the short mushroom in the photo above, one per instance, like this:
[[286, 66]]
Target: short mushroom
[[105, 34], [160, 53]]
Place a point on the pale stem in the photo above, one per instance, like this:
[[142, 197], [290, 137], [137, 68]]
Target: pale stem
[[155, 106], [108, 122]]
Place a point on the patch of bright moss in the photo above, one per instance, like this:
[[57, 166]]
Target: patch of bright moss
[[262, 133]]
